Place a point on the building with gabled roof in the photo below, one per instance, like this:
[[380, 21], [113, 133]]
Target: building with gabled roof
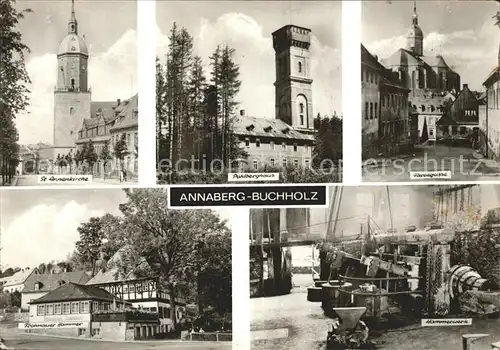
[[142, 292], [38, 285], [429, 79], [16, 282]]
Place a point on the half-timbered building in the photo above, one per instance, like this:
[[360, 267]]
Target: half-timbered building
[[143, 293]]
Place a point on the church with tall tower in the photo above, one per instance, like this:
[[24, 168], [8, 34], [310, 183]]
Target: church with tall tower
[[288, 138], [72, 95], [433, 84]]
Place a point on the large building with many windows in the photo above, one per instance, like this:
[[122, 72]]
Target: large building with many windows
[[288, 139], [78, 119]]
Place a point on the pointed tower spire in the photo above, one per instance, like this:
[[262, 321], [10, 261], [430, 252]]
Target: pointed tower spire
[[73, 23], [415, 15]]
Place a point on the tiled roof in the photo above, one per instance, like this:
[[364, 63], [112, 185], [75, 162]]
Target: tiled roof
[[264, 127], [18, 278], [127, 114], [112, 274], [51, 281], [104, 108], [72, 292]]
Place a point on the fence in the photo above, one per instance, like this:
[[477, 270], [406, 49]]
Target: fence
[[209, 336]]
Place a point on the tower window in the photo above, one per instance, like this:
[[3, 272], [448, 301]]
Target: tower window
[[301, 108], [301, 119], [300, 67], [72, 84], [71, 111], [72, 27]]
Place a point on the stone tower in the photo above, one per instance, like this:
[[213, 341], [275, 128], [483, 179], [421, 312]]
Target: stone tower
[[293, 86], [415, 36], [72, 94]]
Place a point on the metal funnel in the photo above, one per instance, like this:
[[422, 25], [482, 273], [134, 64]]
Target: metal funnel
[[349, 316]]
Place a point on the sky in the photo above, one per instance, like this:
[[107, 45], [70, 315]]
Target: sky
[[247, 26], [463, 32], [112, 44], [40, 225]]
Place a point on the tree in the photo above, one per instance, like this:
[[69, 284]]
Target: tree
[[69, 160], [91, 155], [161, 115], [14, 79], [121, 150], [169, 241], [105, 157], [88, 248]]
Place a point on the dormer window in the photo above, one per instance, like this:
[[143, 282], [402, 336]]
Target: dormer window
[[250, 127], [61, 282], [285, 130], [38, 286], [268, 128], [422, 107]]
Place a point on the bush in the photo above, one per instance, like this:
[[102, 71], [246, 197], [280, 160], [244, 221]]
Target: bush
[[287, 175]]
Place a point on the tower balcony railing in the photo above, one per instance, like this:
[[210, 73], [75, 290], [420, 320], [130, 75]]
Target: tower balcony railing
[[69, 89]]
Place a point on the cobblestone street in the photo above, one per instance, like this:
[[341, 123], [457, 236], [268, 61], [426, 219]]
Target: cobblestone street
[[465, 164]]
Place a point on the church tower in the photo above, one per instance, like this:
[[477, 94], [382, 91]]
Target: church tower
[[71, 94], [415, 36], [293, 86]]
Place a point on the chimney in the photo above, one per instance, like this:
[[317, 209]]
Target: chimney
[[118, 101], [242, 112], [466, 86], [376, 57]]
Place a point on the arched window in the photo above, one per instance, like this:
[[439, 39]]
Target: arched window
[[301, 108], [300, 67], [72, 84]]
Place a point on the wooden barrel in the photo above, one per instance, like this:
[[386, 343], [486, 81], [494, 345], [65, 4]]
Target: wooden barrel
[[330, 294], [463, 278], [314, 294], [345, 298]]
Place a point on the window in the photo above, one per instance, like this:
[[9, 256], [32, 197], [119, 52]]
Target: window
[[38, 285], [272, 145], [300, 67], [40, 310], [96, 331], [371, 110], [247, 142], [272, 162], [74, 308], [375, 112], [307, 163], [66, 308], [81, 332], [255, 165], [295, 147], [296, 163], [95, 306], [301, 108], [57, 309], [50, 309], [84, 307], [72, 84], [284, 163], [301, 119], [283, 146], [366, 111], [257, 143]]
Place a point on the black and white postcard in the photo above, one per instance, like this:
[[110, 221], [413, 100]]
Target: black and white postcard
[[249, 91], [384, 267], [68, 99], [429, 75], [113, 269]]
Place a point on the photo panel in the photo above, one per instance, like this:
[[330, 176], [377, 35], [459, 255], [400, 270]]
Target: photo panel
[[249, 92], [114, 265], [69, 105], [429, 90], [380, 267]]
